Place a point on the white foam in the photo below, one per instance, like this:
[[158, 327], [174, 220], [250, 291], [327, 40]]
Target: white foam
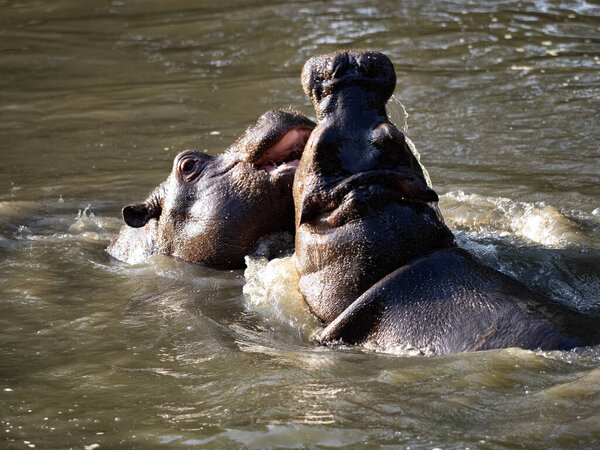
[[502, 217], [271, 290], [399, 349]]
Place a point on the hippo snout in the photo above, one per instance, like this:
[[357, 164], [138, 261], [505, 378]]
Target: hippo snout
[[326, 74]]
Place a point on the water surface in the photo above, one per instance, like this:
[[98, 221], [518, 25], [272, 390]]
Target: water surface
[[96, 98]]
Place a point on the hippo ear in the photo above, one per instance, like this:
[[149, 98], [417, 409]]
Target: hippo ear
[[137, 215]]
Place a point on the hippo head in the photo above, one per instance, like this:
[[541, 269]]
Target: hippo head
[[212, 210], [363, 207]]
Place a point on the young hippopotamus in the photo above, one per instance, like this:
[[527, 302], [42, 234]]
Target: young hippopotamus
[[212, 210], [377, 264]]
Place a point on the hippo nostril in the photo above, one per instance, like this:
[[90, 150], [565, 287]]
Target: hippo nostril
[[332, 68]]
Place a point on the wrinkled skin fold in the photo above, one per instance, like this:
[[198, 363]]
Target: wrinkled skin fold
[[377, 264], [213, 210]]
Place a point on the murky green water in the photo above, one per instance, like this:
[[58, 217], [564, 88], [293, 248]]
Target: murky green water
[[96, 97]]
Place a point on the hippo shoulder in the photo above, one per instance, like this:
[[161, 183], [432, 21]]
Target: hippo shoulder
[[448, 301]]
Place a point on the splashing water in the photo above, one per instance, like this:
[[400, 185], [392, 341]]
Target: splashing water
[[91, 227], [399, 117], [397, 113], [503, 217], [271, 290]]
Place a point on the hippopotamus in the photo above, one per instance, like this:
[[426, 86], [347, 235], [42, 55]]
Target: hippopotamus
[[377, 264], [213, 210]]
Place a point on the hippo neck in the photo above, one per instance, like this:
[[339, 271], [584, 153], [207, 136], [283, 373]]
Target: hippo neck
[[341, 108], [338, 266], [349, 116]]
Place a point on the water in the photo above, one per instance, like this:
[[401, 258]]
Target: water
[[96, 98]]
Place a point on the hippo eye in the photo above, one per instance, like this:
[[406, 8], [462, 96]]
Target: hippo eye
[[187, 166]]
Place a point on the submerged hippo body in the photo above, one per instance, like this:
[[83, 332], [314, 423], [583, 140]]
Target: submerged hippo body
[[376, 262], [212, 210]]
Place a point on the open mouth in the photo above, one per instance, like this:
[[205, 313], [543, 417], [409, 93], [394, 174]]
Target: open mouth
[[285, 155], [362, 192]]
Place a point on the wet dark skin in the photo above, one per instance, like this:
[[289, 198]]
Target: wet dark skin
[[377, 264], [213, 210]]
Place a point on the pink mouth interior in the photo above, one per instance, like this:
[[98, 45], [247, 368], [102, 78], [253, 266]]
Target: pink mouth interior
[[285, 155]]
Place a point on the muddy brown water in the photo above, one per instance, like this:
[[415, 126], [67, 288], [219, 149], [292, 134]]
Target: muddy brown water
[[96, 98]]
